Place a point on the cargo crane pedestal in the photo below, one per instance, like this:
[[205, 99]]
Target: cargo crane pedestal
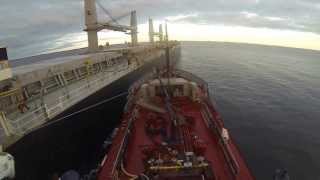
[[153, 34]]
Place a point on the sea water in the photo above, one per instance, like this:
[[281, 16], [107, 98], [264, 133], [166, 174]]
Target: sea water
[[269, 99]]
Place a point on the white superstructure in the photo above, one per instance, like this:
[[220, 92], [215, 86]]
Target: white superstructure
[[6, 165]]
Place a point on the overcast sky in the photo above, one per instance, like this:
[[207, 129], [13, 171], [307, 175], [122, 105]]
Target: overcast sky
[[34, 26]]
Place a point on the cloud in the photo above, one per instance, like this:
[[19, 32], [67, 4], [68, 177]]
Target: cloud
[[37, 21], [285, 14]]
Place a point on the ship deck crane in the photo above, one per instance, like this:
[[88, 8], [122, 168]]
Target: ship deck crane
[[153, 34], [113, 24], [93, 26]]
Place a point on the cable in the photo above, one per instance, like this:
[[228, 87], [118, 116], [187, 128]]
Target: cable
[[85, 109], [106, 12]]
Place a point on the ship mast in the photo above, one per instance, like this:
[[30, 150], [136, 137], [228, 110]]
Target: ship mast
[[167, 52]]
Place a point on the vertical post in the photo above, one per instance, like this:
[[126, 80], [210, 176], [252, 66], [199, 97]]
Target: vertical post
[[4, 124], [91, 24], [134, 26], [63, 79], [43, 87], [75, 73], [46, 111], [58, 80], [151, 31], [60, 103], [25, 92], [65, 84], [100, 67], [166, 29]]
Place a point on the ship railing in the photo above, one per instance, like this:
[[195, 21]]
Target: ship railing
[[134, 88], [178, 72], [192, 77], [23, 123], [215, 124], [46, 111], [124, 143], [116, 153]]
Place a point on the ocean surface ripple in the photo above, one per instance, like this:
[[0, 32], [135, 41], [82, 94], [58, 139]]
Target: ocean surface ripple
[[269, 98]]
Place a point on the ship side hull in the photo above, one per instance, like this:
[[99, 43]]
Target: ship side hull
[[75, 142]]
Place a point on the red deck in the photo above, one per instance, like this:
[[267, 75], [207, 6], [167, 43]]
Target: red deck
[[225, 159]]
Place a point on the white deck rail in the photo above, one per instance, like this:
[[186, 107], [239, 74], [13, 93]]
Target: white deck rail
[[51, 107]]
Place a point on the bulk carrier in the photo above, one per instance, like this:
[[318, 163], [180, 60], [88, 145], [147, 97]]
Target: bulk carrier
[[57, 108]]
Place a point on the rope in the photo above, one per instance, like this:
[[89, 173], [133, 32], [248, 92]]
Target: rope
[[132, 176], [145, 176], [85, 109]]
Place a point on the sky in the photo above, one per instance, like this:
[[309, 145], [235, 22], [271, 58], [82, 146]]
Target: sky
[[32, 27]]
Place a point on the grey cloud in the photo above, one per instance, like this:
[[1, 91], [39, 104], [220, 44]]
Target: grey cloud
[[301, 15], [25, 22]]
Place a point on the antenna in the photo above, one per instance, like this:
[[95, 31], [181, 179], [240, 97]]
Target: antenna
[[167, 51]]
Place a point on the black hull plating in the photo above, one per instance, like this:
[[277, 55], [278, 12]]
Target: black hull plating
[[75, 142]]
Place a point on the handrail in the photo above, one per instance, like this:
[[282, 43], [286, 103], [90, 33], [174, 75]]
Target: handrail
[[192, 77], [30, 120], [123, 143], [216, 126], [8, 93], [178, 72]]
